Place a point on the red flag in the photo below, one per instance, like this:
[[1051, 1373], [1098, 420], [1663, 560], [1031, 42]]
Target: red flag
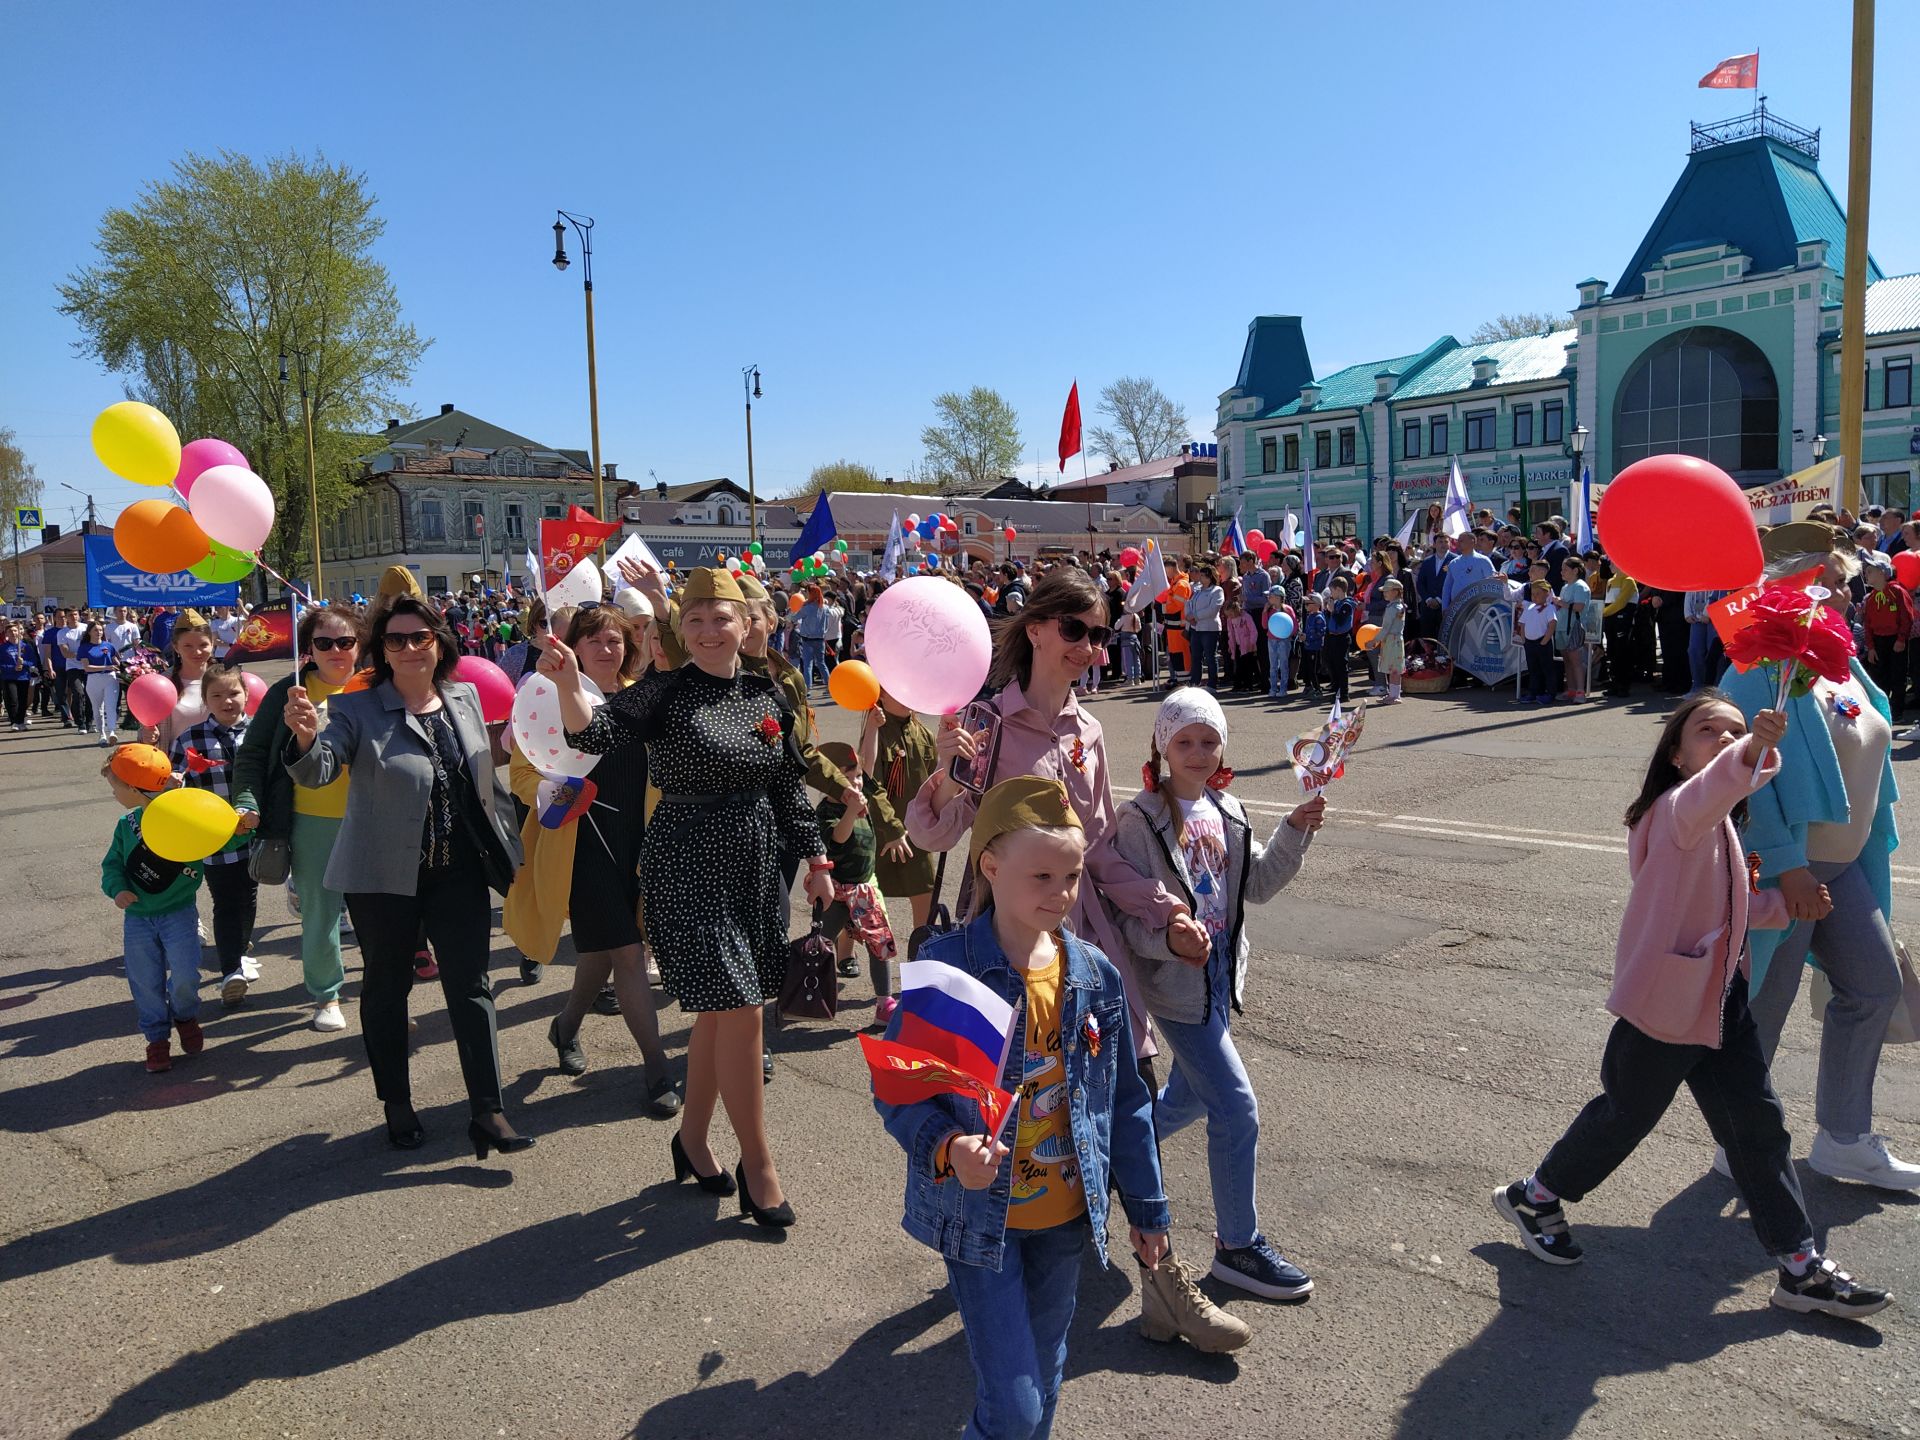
[[1070, 426], [1737, 72], [903, 1075], [267, 634], [563, 543]]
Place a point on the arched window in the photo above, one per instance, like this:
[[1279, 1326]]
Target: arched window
[[1705, 392]]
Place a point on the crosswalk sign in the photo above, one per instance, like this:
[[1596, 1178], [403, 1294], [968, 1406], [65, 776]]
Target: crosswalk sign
[[27, 517]]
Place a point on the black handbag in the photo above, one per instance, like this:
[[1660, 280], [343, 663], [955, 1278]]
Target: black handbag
[[939, 918], [810, 990]]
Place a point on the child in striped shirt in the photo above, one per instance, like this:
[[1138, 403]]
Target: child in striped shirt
[[202, 757]]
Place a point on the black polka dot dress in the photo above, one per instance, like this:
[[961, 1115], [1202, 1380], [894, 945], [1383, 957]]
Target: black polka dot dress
[[732, 803]]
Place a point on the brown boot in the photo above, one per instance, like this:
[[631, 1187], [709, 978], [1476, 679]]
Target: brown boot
[[1172, 1305]]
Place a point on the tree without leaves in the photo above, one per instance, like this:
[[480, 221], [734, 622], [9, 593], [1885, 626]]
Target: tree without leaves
[[210, 275], [850, 475], [975, 440], [18, 486], [1517, 326], [1146, 424]]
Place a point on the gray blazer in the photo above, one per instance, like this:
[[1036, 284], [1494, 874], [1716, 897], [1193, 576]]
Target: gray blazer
[[378, 850]]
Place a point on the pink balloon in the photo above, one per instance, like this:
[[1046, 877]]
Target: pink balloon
[[256, 690], [1129, 556], [151, 698], [495, 689], [233, 506], [198, 456], [929, 645]]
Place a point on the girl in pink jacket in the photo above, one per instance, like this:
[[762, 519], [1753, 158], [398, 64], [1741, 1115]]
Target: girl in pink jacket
[[1680, 992]]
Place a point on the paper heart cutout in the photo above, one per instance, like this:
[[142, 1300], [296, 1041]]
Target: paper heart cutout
[[553, 729]]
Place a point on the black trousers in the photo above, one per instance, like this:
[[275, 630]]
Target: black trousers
[[1639, 1076], [1676, 670], [236, 900], [1889, 670], [73, 686], [1334, 655], [1540, 669], [16, 700], [453, 906], [1623, 658]]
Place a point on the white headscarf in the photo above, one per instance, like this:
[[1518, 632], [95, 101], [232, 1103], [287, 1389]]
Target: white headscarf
[[1188, 706]]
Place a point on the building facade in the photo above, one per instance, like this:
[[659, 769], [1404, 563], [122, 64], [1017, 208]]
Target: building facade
[[1721, 339], [1041, 527]]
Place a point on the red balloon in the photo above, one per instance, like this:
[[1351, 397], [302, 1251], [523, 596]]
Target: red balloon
[[1676, 522], [1906, 569], [490, 683], [1010, 533]]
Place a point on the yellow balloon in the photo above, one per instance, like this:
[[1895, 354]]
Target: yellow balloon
[[187, 825], [137, 443]]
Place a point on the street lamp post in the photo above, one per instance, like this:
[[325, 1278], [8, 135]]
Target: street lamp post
[[313, 484], [750, 383], [1819, 448], [583, 227]]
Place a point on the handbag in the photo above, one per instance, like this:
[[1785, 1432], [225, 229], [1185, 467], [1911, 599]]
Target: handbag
[[810, 990], [1904, 1027], [270, 861]]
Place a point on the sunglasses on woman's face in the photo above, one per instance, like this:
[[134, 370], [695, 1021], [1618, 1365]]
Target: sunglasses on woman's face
[[1073, 630], [398, 640], [323, 643]]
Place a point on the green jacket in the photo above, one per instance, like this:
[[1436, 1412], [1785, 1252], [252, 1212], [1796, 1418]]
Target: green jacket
[[160, 887], [260, 782]]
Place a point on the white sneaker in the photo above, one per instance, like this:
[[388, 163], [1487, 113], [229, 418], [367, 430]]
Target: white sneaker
[[1866, 1160], [328, 1016], [293, 897], [249, 968], [1912, 732], [1720, 1166], [200, 929], [233, 989]]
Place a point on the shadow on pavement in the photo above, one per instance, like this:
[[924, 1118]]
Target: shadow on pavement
[[888, 1382], [536, 1268], [1644, 1300]]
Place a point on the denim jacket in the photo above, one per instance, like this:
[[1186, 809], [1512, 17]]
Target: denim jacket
[[1109, 1106]]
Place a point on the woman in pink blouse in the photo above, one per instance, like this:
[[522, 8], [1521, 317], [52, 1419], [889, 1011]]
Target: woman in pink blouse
[[1037, 656]]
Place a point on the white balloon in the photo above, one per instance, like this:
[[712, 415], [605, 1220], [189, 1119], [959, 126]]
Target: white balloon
[[538, 731], [579, 585]]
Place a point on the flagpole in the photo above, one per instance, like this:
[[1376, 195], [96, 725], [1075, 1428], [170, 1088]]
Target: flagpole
[[1089, 499]]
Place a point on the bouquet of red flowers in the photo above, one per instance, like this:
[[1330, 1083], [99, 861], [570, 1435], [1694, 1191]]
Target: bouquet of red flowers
[[1792, 628]]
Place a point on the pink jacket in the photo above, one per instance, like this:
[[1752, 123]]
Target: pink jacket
[[1690, 907]]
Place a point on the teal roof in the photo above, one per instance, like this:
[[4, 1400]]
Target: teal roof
[[1346, 389], [1532, 357], [1760, 196], [1893, 305]]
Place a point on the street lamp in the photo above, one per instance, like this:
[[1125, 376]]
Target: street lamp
[[313, 484], [78, 491], [583, 227], [1578, 439], [1819, 448], [750, 383]]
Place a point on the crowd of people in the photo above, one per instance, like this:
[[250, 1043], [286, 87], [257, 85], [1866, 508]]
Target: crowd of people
[[371, 784]]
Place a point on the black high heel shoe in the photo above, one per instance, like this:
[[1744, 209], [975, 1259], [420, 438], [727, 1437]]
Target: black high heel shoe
[[407, 1135], [484, 1140], [721, 1184], [778, 1218]]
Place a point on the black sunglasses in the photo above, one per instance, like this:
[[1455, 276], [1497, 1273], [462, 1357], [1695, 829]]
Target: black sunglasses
[[398, 640], [1073, 630], [323, 643]]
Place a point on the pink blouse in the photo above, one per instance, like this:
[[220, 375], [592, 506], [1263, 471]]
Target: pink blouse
[[1068, 747]]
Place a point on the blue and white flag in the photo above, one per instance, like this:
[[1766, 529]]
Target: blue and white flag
[[895, 551], [1236, 539], [1456, 517], [534, 585], [1306, 504], [1583, 523]]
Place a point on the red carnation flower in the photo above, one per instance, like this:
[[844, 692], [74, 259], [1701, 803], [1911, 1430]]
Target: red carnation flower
[[769, 729], [1788, 624]]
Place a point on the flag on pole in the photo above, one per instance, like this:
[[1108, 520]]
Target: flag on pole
[[1525, 514], [1404, 537], [1583, 523], [565, 543], [1150, 584], [1736, 72], [534, 584], [1456, 518], [1236, 538], [1292, 538], [951, 1034], [1306, 504], [896, 550], [1070, 427], [818, 533]]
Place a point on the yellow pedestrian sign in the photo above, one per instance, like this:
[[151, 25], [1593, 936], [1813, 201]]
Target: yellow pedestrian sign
[[27, 517]]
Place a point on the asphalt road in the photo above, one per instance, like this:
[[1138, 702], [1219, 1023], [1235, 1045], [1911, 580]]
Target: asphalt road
[[232, 1249]]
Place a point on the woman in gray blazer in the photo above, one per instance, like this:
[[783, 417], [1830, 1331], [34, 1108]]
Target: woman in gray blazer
[[428, 829]]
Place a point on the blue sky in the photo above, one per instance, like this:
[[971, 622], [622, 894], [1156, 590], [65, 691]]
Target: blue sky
[[876, 202]]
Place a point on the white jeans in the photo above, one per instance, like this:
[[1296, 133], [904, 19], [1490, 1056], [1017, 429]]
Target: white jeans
[[103, 693]]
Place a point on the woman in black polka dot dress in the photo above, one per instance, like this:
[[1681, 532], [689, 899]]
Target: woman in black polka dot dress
[[733, 801]]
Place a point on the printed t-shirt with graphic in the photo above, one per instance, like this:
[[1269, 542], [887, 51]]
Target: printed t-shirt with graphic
[[1046, 1173], [1204, 848]]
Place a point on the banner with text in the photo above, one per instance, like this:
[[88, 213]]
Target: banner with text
[[112, 581]]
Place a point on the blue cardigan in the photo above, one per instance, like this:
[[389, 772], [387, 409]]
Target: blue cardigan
[[1808, 789]]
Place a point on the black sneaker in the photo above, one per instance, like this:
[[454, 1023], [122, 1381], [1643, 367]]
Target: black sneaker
[[1263, 1270], [849, 967], [606, 1002], [1543, 1228], [1830, 1290]]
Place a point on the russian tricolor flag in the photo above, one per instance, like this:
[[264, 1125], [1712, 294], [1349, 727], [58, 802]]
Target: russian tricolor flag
[[1236, 537], [950, 1034]]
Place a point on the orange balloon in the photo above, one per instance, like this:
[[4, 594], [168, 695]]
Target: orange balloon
[[853, 685], [158, 537], [795, 604], [1366, 635]]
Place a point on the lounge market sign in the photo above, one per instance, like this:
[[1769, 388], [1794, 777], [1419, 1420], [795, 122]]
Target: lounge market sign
[[1501, 479]]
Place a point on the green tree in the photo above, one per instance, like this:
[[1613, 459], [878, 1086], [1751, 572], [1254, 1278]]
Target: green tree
[[18, 486], [1147, 425], [975, 438], [1517, 326], [211, 276], [851, 475]]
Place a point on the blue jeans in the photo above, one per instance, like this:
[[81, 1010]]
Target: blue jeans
[[1279, 666], [1700, 640], [163, 968], [1207, 1079], [1206, 656], [1016, 1321], [1130, 659], [812, 653]]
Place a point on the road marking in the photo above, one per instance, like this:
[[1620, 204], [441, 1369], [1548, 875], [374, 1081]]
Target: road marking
[[1458, 834]]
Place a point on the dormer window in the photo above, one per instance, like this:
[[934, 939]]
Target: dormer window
[[1309, 396], [1486, 369]]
